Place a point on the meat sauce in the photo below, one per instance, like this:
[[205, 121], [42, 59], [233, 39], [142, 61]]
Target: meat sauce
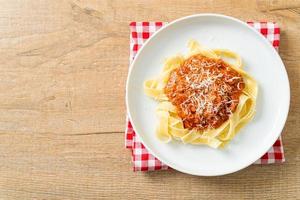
[[205, 91]]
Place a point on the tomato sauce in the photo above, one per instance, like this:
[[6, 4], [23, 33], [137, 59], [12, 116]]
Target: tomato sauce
[[205, 91]]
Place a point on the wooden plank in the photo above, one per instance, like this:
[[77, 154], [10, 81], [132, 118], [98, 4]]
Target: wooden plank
[[66, 72], [96, 166]]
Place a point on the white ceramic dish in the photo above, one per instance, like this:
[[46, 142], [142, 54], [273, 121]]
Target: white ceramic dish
[[260, 60]]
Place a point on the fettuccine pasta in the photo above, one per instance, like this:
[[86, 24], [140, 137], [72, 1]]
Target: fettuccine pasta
[[202, 99]]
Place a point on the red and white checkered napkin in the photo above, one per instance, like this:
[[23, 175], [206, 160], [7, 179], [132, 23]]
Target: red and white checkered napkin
[[142, 159]]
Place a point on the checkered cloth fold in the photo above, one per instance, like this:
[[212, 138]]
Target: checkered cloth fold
[[141, 158]]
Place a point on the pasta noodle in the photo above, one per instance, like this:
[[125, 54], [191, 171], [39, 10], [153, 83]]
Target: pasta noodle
[[171, 125]]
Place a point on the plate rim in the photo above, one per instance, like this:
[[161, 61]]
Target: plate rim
[[284, 113]]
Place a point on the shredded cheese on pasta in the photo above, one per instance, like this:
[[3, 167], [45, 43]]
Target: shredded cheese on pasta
[[171, 126]]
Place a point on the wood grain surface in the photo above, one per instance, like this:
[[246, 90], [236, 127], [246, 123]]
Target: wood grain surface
[[63, 67]]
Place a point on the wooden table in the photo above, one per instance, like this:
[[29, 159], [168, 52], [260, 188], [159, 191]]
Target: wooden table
[[62, 111]]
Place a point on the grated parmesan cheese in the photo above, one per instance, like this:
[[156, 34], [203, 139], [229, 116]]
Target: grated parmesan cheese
[[205, 90]]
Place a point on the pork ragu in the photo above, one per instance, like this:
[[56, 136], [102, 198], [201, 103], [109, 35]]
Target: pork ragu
[[205, 91]]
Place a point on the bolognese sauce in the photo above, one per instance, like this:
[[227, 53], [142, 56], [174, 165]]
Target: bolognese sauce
[[205, 91]]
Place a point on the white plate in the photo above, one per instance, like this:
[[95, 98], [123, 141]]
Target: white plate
[[260, 60]]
